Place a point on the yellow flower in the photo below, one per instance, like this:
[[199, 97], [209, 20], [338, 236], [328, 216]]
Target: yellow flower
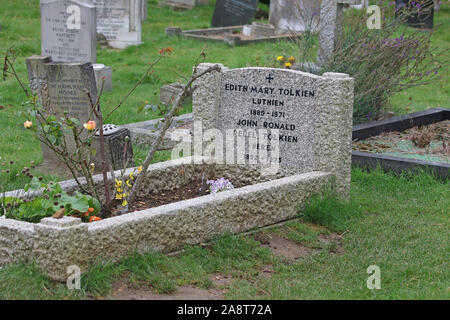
[[27, 124], [119, 196], [279, 58], [124, 203], [139, 169], [288, 64], [118, 183], [131, 176], [90, 125]]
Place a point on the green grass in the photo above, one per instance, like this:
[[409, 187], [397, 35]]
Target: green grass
[[399, 223], [20, 22]]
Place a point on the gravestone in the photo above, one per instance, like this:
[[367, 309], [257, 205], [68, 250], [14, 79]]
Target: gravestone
[[144, 10], [61, 88], [313, 116], [258, 30], [119, 21], [294, 15], [69, 35], [233, 12], [423, 18], [330, 27], [68, 31]]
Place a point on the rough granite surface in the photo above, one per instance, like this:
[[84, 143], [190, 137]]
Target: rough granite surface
[[324, 127], [56, 244]]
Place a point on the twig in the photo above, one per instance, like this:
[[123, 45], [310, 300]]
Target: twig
[[167, 121]]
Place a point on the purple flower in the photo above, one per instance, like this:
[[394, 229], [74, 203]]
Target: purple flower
[[218, 185]]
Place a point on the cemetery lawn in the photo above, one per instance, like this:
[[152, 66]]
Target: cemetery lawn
[[397, 223], [20, 27]]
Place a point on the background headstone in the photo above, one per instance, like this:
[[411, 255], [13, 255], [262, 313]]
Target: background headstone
[[144, 10], [61, 88], [119, 21], [422, 19], [295, 15], [330, 27], [68, 31], [233, 12]]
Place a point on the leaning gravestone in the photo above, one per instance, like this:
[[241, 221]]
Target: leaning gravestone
[[61, 88], [119, 21], [308, 118], [294, 15], [68, 31], [233, 12]]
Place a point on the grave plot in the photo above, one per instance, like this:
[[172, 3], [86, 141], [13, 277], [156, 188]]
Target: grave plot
[[302, 148], [405, 143], [236, 35], [183, 4], [232, 23]]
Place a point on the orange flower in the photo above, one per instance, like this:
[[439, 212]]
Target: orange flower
[[90, 125], [91, 210], [94, 218], [27, 124], [86, 214]]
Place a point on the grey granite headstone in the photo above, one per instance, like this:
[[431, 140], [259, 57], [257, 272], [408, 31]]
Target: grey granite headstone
[[119, 21], [233, 12], [295, 15], [68, 31], [330, 27], [144, 10], [312, 113], [258, 98], [61, 87]]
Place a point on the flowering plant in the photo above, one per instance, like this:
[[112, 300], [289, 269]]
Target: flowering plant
[[219, 185]]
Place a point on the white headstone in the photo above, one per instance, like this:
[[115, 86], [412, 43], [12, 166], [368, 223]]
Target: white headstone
[[294, 15], [119, 21], [68, 31]]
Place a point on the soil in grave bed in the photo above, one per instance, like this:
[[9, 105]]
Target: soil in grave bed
[[192, 190], [428, 143]]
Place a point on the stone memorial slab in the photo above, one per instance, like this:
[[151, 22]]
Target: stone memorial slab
[[61, 88], [144, 10], [68, 31], [234, 12], [299, 120], [271, 99], [119, 21], [295, 15]]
